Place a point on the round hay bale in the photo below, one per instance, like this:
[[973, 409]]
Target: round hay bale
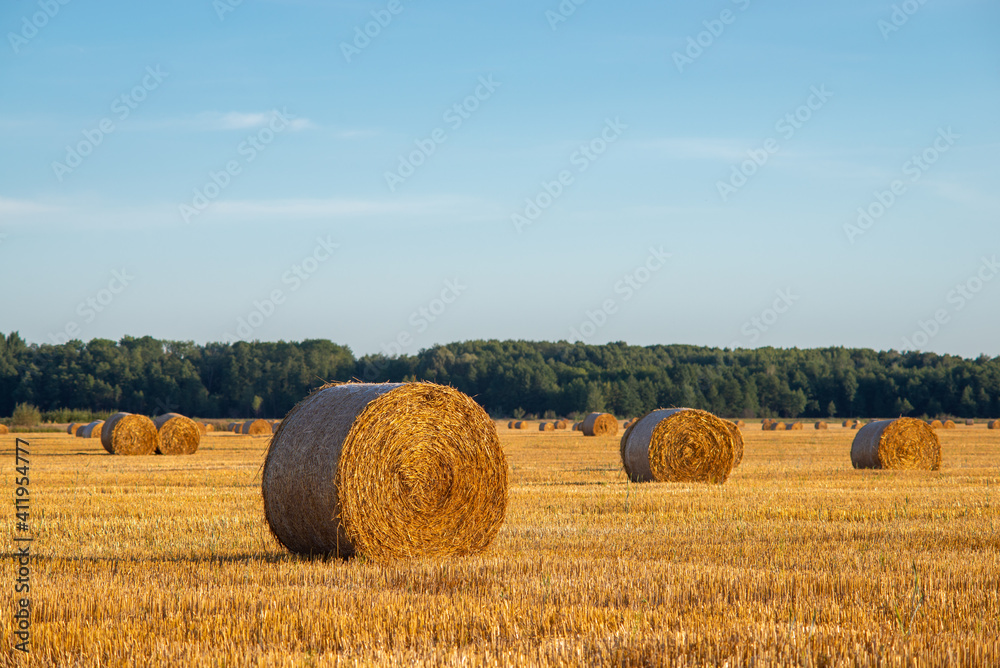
[[129, 434], [857, 424], [209, 427], [546, 426], [948, 424], [178, 435], [71, 429], [739, 423], [846, 423], [821, 425], [765, 425], [202, 427], [256, 428], [78, 430], [92, 429], [389, 471], [903, 443], [993, 424], [522, 424], [233, 426], [4, 429], [969, 422], [510, 425], [681, 445], [561, 424], [935, 424], [795, 426], [577, 425], [599, 424], [779, 426]]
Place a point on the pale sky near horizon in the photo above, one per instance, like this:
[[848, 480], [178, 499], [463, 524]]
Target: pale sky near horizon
[[648, 172]]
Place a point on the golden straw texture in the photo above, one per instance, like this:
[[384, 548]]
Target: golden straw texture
[[92, 430], [821, 425], [388, 471], [599, 424], [71, 429], [681, 445], [178, 435], [936, 424], [129, 434], [903, 443], [256, 428], [948, 424], [546, 426], [795, 426], [4, 429]]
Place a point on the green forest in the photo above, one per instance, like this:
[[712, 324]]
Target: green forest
[[508, 378]]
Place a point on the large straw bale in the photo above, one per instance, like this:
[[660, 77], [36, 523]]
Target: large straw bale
[[388, 471], [129, 434], [600, 424], [179, 435], [681, 445], [903, 443]]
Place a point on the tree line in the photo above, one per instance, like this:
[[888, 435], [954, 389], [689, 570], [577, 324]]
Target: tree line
[[508, 378]]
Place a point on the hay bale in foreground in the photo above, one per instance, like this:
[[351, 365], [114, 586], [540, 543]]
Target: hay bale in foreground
[[821, 425], [903, 443], [129, 434], [935, 424], [388, 471], [795, 426], [948, 424], [178, 435], [599, 424], [92, 429], [681, 445], [546, 426], [256, 428]]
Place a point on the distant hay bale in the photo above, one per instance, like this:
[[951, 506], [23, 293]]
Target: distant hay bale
[[577, 425], [935, 424], [857, 424], [993, 424], [129, 434], [739, 423], [599, 424], [795, 426], [78, 430], [765, 425], [546, 426], [256, 428], [71, 429], [846, 423], [681, 445], [233, 426], [202, 427], [523, 424], [903, 443], [4, 429], [209, 427], [969, 422], [821, 425], [510, 425], [779, 426], [178, 435], [388, 471], [948, 424], [561, 424], [92, 429]]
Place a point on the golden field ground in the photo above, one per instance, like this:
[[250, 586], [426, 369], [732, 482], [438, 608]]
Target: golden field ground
[[797, 560]]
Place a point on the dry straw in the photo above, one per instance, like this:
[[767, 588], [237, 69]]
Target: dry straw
[[577, 425], [681, 445], [935, 424], [92, 429], [599, 424], [846, 423], [256, 428], [903, 443], [969, 422], [546, 426], [71, 429], [821, 425], [78, 429], [510, 425], [234, 427], [739, 423], [522, 424], [993, 424], [779, 426], [4, 429], [795, 426], [857, 424], [178, 435], [387, 471], [948, 424], [208, 427], [129, 434], [765, 424], [561, 424]]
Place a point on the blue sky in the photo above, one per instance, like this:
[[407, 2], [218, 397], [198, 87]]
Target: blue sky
[[713, 156]]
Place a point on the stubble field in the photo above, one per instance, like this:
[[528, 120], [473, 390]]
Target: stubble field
[[797, 559]]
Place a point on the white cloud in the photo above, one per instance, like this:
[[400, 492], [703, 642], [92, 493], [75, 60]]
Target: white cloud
[[219, 121], [19, 207]]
